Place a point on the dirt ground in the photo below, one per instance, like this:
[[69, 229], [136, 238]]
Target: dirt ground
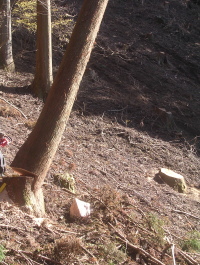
[[144, 69]]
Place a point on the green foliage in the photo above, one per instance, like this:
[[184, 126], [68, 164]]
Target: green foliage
[[156, 225], [24, 15], [2, 254], [192, 243], [60, 27]]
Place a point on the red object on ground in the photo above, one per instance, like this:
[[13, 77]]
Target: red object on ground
[[3, 142]]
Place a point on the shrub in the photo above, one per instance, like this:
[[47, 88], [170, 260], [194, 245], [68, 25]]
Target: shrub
[[192, 243]]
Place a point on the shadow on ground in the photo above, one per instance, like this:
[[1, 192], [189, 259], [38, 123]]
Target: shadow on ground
[[146, 57]]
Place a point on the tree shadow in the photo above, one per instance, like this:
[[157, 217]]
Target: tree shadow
[[141, 65], [16, 90]]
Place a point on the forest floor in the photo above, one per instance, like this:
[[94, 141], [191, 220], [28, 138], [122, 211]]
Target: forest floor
[[145, 65]]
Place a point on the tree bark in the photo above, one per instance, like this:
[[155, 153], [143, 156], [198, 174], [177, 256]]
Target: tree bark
[[43, 75], [6, 56], [37, 153]]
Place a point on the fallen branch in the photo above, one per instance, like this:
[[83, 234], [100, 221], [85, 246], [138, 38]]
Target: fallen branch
[[188, 258], [178, 211], [13, 228], [28, 260], [14, 107], [195, 254], [141, 251]]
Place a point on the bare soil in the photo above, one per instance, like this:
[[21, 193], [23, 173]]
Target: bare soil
[[145, 63]]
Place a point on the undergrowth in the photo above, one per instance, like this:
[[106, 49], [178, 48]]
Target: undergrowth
[[192, 242], [117, 232], [2, 253], [112, 254], [156, 225]]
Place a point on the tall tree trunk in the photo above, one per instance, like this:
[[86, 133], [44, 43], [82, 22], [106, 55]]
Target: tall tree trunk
[[6, 56], [43, 75], [37, 153]]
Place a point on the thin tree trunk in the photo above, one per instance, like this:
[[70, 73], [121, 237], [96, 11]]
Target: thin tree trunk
[[6, 56], [37, 153], [43, 75]]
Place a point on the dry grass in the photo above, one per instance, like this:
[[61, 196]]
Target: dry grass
[[8, 111], [30, 124], [66, 248]]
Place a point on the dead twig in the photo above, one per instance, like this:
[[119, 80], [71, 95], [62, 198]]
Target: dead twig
[[163, 253], [171, 234], [173, 254], [70, 192], [3, 263], [66, 231], [14, 107], [137, 249], [38, 256], [90, 254], [28, 260]]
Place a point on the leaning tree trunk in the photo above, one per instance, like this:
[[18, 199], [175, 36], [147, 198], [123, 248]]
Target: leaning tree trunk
[[37, 153], [6, 56], [43, 75]]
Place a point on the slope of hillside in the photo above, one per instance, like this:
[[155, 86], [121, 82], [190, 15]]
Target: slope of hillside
[[145, 64]]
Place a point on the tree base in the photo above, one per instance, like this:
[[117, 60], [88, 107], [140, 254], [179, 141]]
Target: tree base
[[20, 191]]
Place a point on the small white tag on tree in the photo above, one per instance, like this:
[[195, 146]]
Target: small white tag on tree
[[79, 208]]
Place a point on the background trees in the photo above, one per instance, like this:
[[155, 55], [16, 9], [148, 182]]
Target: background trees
[[43, 74], [6, 55]]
